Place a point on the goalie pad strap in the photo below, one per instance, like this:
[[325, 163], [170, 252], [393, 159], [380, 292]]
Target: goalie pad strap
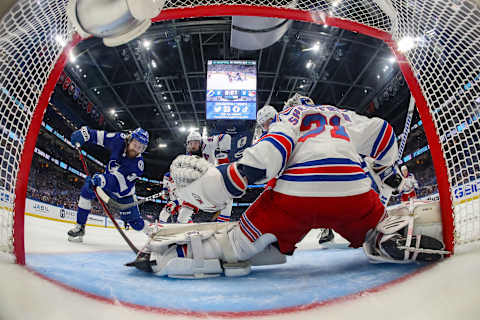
[[195, 241]]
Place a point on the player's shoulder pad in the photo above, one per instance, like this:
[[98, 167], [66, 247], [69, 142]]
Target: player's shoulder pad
[[140, 163], [116, 135], [286, 128]]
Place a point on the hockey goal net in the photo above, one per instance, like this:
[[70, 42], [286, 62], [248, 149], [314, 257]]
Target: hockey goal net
[[436, 44]]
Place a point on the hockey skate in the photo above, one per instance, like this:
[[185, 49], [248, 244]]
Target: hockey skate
[[76, 234], [326, 235]]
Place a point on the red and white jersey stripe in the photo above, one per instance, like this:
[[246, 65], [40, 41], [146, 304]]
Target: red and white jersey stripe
[[314, 151]]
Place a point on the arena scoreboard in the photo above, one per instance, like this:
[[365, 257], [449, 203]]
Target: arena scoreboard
[[231, 90]]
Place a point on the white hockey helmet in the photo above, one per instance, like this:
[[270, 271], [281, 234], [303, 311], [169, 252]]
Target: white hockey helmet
[[194, 136], [298, 100], [265, 113], [404, 170]]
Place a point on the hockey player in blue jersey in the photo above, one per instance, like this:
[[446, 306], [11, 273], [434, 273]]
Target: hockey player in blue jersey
[[118, 181]]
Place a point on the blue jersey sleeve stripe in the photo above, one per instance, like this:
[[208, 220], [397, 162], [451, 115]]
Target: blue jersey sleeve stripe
[[379, 138], [279, 147], [390, 144], [331, 178], [328, 161], [227, 180], [292, 144]]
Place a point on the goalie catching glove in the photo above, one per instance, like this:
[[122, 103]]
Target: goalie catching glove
[[207, 187]]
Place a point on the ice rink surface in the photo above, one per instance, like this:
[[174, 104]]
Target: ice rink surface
[[90, 281]]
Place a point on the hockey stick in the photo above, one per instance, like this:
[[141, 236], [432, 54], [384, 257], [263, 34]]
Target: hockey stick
[[385, 198], [406, 129], [85, 168], [124, 206]]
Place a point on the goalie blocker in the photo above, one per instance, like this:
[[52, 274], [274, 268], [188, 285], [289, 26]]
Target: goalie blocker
[[198, 251]]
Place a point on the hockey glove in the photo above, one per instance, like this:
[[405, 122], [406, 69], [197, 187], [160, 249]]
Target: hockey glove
[[79, 137], [390, 176], [200, 183], [98, 180]]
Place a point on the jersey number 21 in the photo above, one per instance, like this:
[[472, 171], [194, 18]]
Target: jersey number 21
[[338, 131]]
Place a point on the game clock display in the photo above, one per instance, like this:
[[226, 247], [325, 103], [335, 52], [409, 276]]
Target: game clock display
[[231, 89]]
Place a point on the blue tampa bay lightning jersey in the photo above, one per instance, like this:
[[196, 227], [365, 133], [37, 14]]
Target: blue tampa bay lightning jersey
[[121, 171]]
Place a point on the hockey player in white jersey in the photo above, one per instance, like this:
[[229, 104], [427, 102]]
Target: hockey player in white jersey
[[215, 150], [172, 206], [411, 184], [266, 117], [315, 153]]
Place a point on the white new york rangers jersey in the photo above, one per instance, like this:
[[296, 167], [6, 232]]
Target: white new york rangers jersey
[[314, 151], [410, 184], [215, 149]]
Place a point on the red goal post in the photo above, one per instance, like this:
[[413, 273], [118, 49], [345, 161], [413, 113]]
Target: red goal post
[[441, 70]]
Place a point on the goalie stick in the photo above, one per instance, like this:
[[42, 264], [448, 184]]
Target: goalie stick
[[124, 206], [115, 223], [385, 198], [406, 129]]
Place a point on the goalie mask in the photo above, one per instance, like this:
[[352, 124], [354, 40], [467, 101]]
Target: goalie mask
[[194, 144], [265, 116], [298, 100]]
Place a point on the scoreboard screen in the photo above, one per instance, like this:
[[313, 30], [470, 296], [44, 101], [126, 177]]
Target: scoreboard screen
[[231, 89]]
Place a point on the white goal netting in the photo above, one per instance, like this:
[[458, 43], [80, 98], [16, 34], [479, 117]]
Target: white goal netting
[[32, 37], [440, 42]]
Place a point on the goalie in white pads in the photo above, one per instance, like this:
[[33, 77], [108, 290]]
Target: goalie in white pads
[[268, 115], [314, 152]]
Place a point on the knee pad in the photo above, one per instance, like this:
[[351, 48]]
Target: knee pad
[[133, 218]]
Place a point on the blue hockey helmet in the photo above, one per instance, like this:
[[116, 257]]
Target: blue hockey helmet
[[141, 136]]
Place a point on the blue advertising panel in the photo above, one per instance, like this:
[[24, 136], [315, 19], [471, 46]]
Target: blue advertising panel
[[231, 89]]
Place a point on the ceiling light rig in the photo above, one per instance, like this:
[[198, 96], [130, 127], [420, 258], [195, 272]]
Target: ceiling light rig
[[147, 44]]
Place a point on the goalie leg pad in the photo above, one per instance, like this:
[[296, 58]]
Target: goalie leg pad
[[395, 240], [211, 250], [195, 259]]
